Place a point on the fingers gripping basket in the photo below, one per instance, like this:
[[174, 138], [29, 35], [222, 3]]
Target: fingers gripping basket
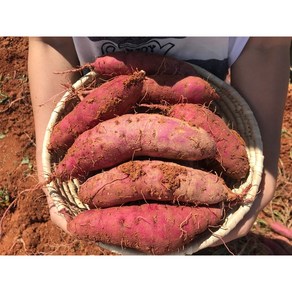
[[231, 107]]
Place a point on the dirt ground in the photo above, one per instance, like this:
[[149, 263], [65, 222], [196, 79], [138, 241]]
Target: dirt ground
[[25, 226]]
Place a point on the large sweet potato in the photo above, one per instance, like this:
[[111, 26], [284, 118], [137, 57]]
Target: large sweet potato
[[153, 180], [148, 228], [112, 98], [132, 135]]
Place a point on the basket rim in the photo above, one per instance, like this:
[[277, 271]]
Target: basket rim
[[230, 100]]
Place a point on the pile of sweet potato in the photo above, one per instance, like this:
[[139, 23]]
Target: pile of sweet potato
[[153, 159]]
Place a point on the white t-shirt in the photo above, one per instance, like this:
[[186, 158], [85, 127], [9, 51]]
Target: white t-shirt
[[215, 54]]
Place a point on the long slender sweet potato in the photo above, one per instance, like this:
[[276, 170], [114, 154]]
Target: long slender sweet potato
[[173, 89], [132, 135], [112, 98], [121, 62], [153, 180], [231, 158], [148, 228]]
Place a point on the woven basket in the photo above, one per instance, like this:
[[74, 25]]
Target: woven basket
[[231, 107]]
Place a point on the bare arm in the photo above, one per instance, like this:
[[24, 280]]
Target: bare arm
[[261, 75], [46, 56]]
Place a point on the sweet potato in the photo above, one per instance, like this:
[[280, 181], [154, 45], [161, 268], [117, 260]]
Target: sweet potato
[[149, 228], [172, 89], [132, 135], [153, 181], [231, 159], [112, 98], [120, 63], [281, 229]]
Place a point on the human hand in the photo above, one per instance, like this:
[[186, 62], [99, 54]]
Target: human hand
[[267, 190]]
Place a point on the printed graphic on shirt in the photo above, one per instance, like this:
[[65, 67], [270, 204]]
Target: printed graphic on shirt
[[144, 44]]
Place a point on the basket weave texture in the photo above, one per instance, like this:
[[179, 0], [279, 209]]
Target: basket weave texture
[[236, 113]]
